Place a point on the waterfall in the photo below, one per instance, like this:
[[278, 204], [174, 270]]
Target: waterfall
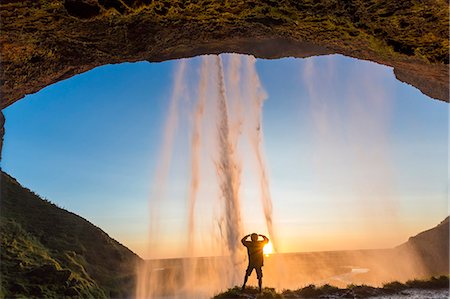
[[228, 99]]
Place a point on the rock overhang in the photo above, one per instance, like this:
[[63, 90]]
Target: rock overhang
[[46, 41]]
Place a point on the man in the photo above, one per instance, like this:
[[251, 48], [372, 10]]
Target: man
[[255, 256]]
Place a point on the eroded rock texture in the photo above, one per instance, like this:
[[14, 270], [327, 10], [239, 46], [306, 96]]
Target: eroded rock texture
[[45, 41]]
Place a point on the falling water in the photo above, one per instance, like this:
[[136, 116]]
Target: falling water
[[167, 146], [195, 150], [147, 283], [360, 140], [229, 171], [225, 97], [256, 99]]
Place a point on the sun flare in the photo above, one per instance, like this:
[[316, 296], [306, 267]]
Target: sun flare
[[268, 249]]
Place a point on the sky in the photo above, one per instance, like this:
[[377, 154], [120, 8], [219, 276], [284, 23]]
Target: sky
[[356, 159]]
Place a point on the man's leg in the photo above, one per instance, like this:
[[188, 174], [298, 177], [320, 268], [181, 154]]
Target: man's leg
[[259, 275], [245, 281], [247, 274]]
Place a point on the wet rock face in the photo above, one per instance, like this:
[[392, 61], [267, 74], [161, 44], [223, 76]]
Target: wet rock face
[[45, 41]]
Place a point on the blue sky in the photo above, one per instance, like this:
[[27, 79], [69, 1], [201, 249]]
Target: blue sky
[[356, 158]]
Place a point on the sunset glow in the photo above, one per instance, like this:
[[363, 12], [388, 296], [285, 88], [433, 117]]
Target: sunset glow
[[268, 249]]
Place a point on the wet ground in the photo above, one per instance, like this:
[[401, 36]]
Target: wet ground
[[416, 294]]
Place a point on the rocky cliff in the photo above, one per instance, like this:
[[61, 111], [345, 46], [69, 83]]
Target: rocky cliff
[[431, 249]]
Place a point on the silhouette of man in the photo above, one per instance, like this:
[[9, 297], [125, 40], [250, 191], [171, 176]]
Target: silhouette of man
[[255, 256]]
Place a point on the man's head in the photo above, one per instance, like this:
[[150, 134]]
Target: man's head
[[254, 237]]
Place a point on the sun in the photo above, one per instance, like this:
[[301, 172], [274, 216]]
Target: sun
[[268, 249]]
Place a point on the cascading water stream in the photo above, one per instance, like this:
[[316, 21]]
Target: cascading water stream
[[228, 170], [256, 99], [225, 95], [195, 150]]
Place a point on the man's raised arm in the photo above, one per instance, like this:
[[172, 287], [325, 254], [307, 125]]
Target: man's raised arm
[[244, 238], [265, 239]]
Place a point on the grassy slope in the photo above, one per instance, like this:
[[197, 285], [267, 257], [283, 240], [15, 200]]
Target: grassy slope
[[49, 252]]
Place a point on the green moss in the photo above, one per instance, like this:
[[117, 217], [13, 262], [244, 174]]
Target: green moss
[[388, 28]]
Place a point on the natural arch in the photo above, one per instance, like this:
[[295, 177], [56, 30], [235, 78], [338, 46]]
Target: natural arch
[[45, 41]]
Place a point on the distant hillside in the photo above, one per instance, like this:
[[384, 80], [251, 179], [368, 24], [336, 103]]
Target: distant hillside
[[47, 251], [432, 249]]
